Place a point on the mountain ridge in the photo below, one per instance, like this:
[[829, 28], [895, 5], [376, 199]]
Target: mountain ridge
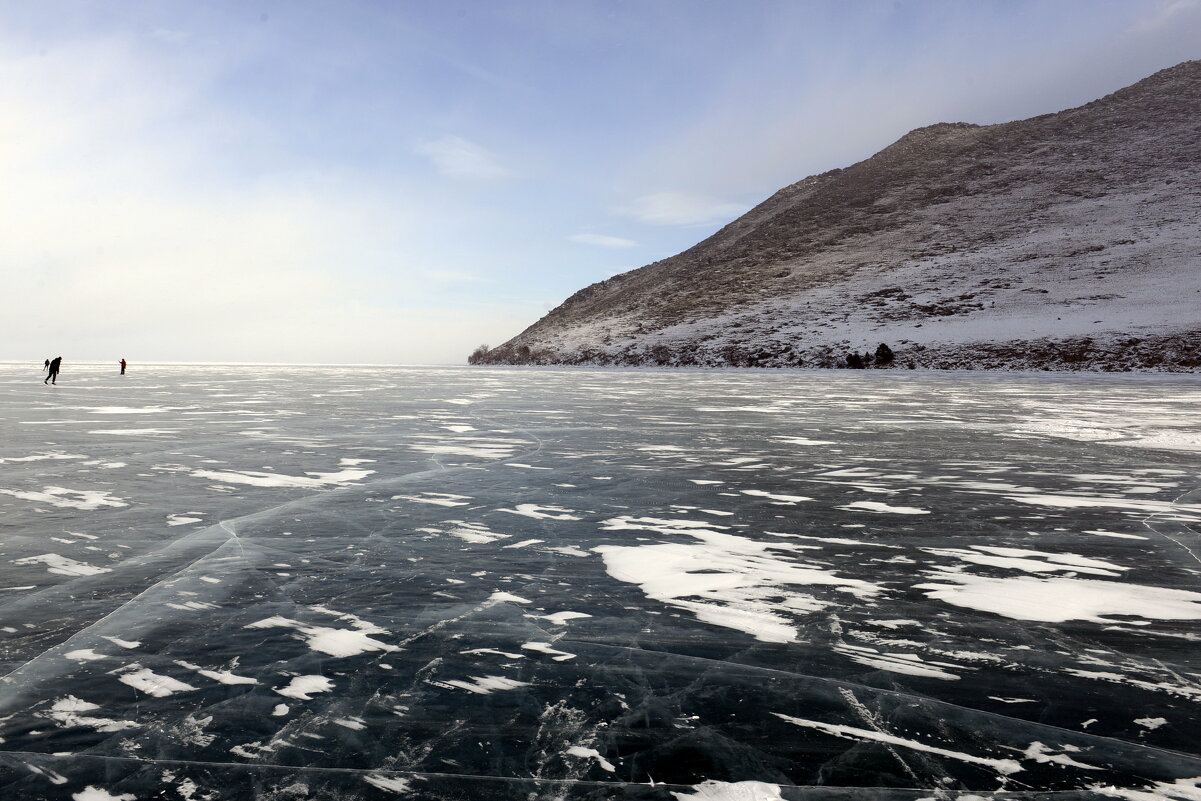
[[960, 245]]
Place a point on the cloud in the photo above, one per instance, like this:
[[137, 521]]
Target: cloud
[[1166, 14], [602, 241], [456, 157], [128, 233], [442, 277], [680, 208], [834, 86]]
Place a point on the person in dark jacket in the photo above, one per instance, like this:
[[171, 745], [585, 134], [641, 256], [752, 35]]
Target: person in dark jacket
[[122, 363], [54, 365]]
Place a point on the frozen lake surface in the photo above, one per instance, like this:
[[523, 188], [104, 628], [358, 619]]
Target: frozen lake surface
[[295, 583]]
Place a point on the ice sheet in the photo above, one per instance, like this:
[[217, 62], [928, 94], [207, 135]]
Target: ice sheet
[[284, 583]]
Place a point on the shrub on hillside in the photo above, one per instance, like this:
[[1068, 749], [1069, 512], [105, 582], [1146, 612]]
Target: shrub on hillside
[[660, 355], [478, 354]]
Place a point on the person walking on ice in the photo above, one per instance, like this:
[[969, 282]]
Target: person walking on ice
[[122, 363], [54, 365]]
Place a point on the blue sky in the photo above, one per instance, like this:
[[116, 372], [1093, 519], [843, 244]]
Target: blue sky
[[397, 182]]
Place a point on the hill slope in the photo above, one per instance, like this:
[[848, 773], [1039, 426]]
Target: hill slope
[[1069, 240]]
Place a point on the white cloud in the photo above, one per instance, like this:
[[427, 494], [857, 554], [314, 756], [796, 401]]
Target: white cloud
[[600, 240], [680, 208], [441, 277], [1165, 14], [456, 157], [128, 236], [823, 103]]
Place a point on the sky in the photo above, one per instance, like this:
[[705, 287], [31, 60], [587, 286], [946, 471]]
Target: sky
[[399, 182]]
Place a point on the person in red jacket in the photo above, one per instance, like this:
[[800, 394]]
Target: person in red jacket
[[122, 367]]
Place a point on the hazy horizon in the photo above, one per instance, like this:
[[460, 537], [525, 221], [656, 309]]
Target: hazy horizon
[[396, 184]]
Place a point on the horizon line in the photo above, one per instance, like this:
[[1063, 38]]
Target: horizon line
[[95, 362]]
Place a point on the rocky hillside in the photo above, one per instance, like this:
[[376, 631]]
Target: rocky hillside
[[1066, 241]]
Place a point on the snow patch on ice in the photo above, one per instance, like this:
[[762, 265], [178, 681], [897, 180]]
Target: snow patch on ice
[[257, 478], [561, 618], [1102, 502], [335, 642], [475, 533], [713, 790], [128, 409], [94, 793], [484, 685], [123, 643], [909, 664], [1166, 441], [151, 683], [883, 508], [1038, 752], [391, 784], [70, 711], [193, 606], [780, 500], [1179, 790], [804, 441], [85, 655], [494, 652], [1059, 599], [478, 447], [220, 676], [500, 597], [41, 457], [1114, 534], [590, 753], [1030, 561], [52, 776], [567, 550], [302, 688], [1068, 430], [62, 565], [1003, 766], [545, 648], [541, 512], [1183, 691], [724, 580], [524, 544], [435, 498], [64, 498]]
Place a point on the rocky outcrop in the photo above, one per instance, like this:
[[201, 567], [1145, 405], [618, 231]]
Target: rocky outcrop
[[1066, 241]]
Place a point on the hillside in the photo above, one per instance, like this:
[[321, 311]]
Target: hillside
[[1065, 241]]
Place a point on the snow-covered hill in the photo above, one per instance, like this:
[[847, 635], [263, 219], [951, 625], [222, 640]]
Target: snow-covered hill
[[1066, 241]]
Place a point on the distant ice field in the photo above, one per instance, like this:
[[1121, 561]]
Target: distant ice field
[[223, 583]]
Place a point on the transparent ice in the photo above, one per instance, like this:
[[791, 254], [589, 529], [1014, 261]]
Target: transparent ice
[[292, 583]]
